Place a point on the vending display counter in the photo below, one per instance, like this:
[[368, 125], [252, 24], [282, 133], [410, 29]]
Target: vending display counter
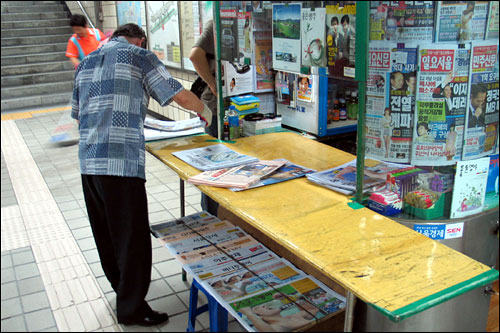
[[397, 271]]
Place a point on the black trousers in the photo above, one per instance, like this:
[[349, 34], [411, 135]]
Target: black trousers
[[118, 214]]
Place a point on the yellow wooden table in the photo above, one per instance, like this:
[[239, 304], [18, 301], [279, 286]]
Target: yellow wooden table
[[389, 266]]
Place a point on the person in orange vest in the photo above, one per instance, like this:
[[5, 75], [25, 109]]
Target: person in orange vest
[[84, 40]]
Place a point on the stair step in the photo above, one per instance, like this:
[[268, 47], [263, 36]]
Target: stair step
[[34, 40], [36, 89], [32, 8], [36, 101], [34, 16], [37, 31], [20, 80], [29, 3], [33, 49], [44, 67], [33, 58], [36, 24]]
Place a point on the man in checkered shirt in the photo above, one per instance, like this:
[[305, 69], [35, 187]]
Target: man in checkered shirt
[[111, 93]]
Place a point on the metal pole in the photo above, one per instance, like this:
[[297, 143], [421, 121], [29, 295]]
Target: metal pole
[[85, 13], [183, 213], [218, 67], [349, 311]]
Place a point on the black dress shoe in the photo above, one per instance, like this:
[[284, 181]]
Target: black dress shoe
[[151, 319]]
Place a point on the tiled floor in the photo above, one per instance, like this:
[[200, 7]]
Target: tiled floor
[[52, 279]]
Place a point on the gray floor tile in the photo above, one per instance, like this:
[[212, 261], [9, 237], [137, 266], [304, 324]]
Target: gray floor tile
[[157, 289], [34, 302], [39, 320], [13, 324], [23, 258], [9, 290], [87, 244], [6, 260], [82, 233], [30, 285], [78, 223], [26, 271], [170, 304], [8, 275], [168, 268], [11, 307]]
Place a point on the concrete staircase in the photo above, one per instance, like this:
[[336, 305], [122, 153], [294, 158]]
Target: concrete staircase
[[35, 70]]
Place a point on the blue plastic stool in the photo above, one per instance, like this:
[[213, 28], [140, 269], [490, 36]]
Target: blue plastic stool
[[217, 313]]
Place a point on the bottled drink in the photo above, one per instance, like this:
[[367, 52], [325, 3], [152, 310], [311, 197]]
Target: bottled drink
[[336, 110], [234, 123], [225, 134], [343, 110], [329, 111], [354, 106]]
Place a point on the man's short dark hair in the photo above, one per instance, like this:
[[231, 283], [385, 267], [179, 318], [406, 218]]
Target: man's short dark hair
[[78, 20], [478, 88], [129, 30], [345, 19], [334, 19]]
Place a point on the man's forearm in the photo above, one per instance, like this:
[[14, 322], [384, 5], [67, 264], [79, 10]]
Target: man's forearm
[[202, 67]]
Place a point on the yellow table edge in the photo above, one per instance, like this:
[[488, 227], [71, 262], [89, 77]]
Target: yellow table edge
[[440, 297]]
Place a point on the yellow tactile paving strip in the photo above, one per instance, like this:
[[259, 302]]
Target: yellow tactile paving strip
[[381, 261], [29, 114]]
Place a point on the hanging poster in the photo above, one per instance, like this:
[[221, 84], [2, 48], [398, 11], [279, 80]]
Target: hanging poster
[[313, 37], [491, 200], [190, 29], [164, 31], [286, 37], [442, 89], [461, 20], [263, 80], [245, 36], [469, 188], [229, 34], [238, 78], [390, 101], [402, 21], [128, 12], [481, 131], [493, 21], [341, 38], [304, 88]]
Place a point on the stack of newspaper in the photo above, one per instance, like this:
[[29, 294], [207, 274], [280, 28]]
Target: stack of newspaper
[[241, 176], [213, 157], [155, 129], [243, 275], [343, 178]]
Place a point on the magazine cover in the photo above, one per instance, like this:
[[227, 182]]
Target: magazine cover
[[491, 200], [443, 82], [462, 21], [481, 131], [286, 172], [229, 35], [305, 88], [493, 21], [213, 157], [205, 236], [238, 78], [255, 279], [341, 38], [390, 103], [286, 37], [241, 176], [245, 36], [263, 80], [183, 224], [402, 21], [470, 187], [313, 37], [285, 88], [289, 307]]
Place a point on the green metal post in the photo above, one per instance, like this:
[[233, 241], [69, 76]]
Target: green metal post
[[218, 67], [362, 39]]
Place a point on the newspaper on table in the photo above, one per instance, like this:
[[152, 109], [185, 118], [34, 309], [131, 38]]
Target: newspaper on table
[[287, 307], [481, 130], [202, 237], [390, 101], [286, 172], [241, 176], [256, 278], [343, 178], [442, 85], [213, 157], [183, 224], [402, 21], [462, 21], [173, 126]]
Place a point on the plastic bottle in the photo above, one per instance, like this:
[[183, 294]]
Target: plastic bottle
[[234, 123], [336, 110], [329, 110], [343, 110], [354, 105], [225, 134]]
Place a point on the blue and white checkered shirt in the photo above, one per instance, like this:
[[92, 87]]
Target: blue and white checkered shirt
[[110, 98]]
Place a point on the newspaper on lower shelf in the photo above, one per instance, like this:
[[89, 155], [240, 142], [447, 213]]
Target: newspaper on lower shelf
[[241, 176], [343, 178], [286, 172], [183, 224], [288, 307], [213, 157]]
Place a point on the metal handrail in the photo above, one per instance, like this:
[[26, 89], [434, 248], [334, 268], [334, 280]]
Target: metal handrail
[[85, 13]]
